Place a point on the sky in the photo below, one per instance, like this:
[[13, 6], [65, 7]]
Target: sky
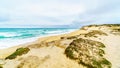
[[58, 13]]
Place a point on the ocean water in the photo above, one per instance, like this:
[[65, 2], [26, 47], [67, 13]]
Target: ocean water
[[15, 36]]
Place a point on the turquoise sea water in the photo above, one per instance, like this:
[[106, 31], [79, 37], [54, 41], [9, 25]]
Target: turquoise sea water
[[15, 36]]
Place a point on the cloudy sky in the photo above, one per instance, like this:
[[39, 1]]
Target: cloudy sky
[[72, 13]]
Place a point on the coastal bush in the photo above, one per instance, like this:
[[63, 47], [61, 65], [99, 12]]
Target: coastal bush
[[62, 37], [115, 31], [1, 66], [102, 25], [72, 37], [108, 25], [89, 53], [18, 52], [111, 25], [93, 33], [69, 53]]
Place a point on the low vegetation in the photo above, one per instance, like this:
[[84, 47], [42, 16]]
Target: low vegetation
[[94, 33], [72, 37], [102, 25], [88, 53], [115, 31], [18, 52], [1, 66], [108, 25]]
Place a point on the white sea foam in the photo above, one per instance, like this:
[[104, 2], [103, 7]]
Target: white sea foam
[[10, 42], [6, 43], [7, 34]]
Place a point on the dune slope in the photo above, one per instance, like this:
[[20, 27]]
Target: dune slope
[[93, 46]]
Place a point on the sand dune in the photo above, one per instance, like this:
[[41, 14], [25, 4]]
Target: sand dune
[[94, 46]]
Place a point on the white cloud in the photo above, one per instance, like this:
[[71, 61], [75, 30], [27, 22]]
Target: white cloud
[[50, 10], [57, 12], [40, 12]]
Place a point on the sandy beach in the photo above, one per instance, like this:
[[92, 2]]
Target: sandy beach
[[51, 51]]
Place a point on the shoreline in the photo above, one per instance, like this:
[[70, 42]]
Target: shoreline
[[4, 52], [54, 47], [30, 40]]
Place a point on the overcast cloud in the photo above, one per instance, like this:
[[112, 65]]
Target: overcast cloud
[[16, 13]]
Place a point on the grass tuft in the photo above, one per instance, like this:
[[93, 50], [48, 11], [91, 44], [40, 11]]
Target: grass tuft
[[18, 52], [94, 33], [1, 66]]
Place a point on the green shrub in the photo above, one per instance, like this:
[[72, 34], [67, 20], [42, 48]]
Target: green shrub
[[69, 53], [108, 25], [18, 52], [72, 37], [93, 33], [87, 52], [1, 66], [105, 62]]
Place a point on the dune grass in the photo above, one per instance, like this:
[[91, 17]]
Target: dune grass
[[1, 66], [108, 25], [115, 31], [18, 52], [94, 33]]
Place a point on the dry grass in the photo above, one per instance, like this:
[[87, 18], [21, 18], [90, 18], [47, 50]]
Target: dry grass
[[115, 31], [32, 61]]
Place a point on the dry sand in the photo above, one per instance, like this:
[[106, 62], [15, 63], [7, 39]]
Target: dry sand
[[53, 56]]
